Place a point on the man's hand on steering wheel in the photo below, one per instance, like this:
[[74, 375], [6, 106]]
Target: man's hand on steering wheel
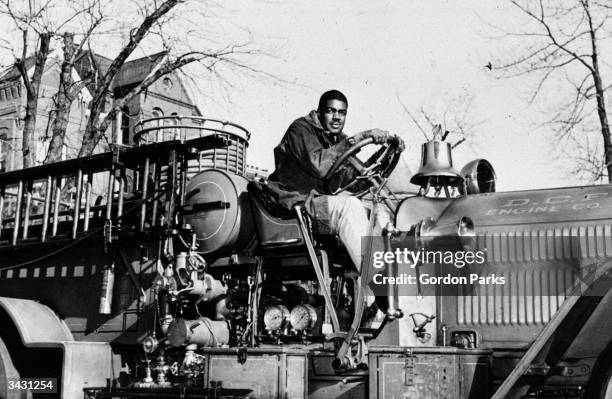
[[380, 137], [377, 167]]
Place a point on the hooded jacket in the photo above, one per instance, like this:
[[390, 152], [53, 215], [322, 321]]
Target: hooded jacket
[[302, 159]]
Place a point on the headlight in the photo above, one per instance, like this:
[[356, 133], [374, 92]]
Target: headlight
[[479, 177]]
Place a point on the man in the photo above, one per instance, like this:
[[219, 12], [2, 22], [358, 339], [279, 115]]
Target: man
[[310, 147]]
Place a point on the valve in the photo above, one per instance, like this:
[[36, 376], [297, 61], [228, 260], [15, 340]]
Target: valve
[[419, 328]]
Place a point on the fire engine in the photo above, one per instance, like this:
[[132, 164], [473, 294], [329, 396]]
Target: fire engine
[[162, 270]]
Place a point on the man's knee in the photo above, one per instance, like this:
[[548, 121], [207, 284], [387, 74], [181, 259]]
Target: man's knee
[[352, 204]]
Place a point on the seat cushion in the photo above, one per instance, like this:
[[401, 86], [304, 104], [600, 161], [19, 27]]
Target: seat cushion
[[266, 198]]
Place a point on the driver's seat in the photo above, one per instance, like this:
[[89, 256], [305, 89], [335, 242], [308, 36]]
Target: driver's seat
[[277, 227]]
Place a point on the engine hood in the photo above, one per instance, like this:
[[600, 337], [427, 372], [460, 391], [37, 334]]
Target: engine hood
[[573, 205]]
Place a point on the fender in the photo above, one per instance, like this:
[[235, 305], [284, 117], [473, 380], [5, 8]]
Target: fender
[[36, 323], [85, 364]]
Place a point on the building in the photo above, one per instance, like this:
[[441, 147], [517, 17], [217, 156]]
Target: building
[[168, 96]]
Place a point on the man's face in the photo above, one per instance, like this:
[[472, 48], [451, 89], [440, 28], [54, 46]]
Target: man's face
[[333, 116]]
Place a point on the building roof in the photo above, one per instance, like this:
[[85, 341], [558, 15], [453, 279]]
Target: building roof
[[130, 73], [137, 70], [11, 72], [87, 61]]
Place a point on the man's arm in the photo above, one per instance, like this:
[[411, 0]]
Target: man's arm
[[379, 136]]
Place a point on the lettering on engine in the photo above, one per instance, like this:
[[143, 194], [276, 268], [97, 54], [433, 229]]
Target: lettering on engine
[[557, 203]]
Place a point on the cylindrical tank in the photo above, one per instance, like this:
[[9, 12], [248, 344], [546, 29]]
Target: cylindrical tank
[[219, 211], [202, 332]]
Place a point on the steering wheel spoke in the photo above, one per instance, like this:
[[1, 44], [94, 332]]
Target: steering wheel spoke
[[347, 187], [357, 164], [384, 155]]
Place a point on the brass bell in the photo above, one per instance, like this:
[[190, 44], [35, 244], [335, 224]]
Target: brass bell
[[436, 165]]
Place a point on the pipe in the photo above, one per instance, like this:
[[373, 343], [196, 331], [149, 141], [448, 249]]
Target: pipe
[[109, 195], [317, 268], [26, 216], [17, 213], [77, 203], [1, 206], [121, 196], [56, 204], [145, 183], [46, 210], [87, 201], [157, 176]]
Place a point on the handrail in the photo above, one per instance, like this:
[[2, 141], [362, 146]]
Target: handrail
[[181, 129]]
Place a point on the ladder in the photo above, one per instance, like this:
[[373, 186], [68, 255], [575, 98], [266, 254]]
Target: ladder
[[66, 199]]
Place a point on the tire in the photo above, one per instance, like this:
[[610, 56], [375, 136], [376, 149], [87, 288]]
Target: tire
[[602, 386], [9, 372]]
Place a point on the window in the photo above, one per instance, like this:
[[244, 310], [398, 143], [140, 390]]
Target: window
[[125, 125], [4, 149], [174, 132], [167, 83], [158, 113], [2, 95], [14, 92]]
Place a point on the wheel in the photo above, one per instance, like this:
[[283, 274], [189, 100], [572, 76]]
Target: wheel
[[9, 372], [601, 386], [378, 167], [607, 392]]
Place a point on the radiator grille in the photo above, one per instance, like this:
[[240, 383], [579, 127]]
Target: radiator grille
[[531, 294]]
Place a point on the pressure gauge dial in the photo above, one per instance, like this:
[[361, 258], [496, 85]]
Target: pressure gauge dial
[[275, 316], [303, 317]]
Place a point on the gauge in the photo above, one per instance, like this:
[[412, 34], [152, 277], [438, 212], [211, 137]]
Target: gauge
[[275, 316], [303, 317]]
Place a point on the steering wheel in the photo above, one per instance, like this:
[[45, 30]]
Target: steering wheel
[[371, 172]]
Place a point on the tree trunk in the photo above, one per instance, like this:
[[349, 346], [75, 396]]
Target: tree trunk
[[64, 99], [29, 127], [599, 94], [91, 136], [605, 127], [32, 89], [94, 131]]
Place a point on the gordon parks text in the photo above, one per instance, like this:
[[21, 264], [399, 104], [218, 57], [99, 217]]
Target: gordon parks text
[[458, 259]]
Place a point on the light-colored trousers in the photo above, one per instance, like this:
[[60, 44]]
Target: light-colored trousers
[[348, 219]]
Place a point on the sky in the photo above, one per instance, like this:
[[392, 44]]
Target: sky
[[384, 55], [422, 53]]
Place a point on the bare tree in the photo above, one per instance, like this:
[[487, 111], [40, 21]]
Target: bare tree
[[157, 20], [145, 26], [32, 86], [68, 89], [560, 46], [36, 25], [29, 21], [454, 118]]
